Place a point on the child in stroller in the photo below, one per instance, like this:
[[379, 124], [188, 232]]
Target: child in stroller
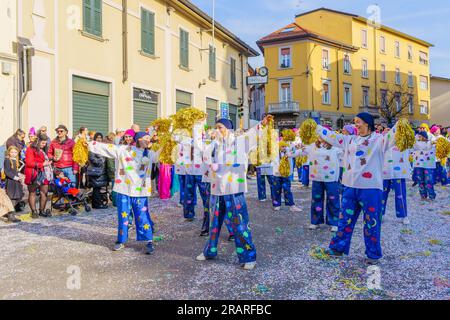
[[66, 196]]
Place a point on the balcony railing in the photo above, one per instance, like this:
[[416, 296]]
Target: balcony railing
[[373, 110], [284, 107]]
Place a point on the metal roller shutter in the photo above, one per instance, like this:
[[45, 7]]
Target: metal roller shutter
[[144, 113], [90, 105]]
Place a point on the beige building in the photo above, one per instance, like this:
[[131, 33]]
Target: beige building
[[440, 101], [108, 64], [8, 70]]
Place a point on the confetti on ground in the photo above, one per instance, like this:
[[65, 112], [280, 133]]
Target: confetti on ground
[[319, 254], [260, 289], [435, 242], [406, 231], [158, 238], [441, 282], [278, 230]]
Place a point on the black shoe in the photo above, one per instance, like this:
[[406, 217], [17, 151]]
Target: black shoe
[[34, 215], [231, 238], [12, 218], [45, 214], [102, 207], [414, 184], [204, 233]]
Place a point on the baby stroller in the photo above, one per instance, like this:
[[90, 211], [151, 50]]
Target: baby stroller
[[67, 198]]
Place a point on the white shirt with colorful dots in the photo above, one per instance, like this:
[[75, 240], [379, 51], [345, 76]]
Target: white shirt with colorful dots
[[396, 164], [133, 169], [363, 156], [424, 155], [323, 163]]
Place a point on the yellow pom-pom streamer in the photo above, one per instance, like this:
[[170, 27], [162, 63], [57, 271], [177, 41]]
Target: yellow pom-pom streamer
[[285, 168], [299, 161], [80, 152], [411, 158], [187, 117], [288, 135], [442, 150], [162, 125], [270, 131], [404, 137], [308, 131]]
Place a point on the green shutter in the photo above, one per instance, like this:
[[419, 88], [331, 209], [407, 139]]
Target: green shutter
[[87, 20], [97, 18], [212, 62], [184, 48], [148, 32], [211, 110], [233, 73], [144, 113], [233, 110], [91, 111], [183, 100]]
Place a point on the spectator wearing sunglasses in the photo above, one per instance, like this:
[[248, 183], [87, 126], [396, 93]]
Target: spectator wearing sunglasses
[[61, 153]]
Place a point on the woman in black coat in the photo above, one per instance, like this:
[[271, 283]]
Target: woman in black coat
[[97, 175], [14, 188]]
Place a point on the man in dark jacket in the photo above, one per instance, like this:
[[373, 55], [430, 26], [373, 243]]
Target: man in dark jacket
[[97, 175], [61, 152], [17, 140]]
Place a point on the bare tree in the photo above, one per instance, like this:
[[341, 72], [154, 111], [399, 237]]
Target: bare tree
[[396, 101]]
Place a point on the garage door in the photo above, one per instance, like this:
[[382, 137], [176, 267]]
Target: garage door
[[90, 105], [145, 107]]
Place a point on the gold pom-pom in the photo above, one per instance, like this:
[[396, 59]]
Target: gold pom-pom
[[404, 137], [81, 152], [442, 150], [308, 131], [288, 135], [411, 158], [285, 167], [299, 161], [162, 125], [187, 117]]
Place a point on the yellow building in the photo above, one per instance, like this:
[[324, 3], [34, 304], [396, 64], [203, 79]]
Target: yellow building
[[8, 70], [108, 64], [440, 100], [332, 65]]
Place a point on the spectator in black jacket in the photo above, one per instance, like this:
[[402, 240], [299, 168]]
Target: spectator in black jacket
[[97, 175]]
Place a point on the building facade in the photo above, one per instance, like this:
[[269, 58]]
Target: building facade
[[256, 95], [9, 119], [440, 100], [108, 64], [331, 65]]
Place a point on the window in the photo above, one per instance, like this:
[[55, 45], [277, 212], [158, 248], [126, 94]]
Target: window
[[233, 73], [384, 98], [365, 69], [184, 48], [347, 95], [212, 62], [397, 76], [364, 38], [383, 73], [285, 58], [285, 91], [290, 29], [424, 82], [92, 17], [382, 44], [347, 64], [397, 49], [326, 92], [410, 80], [410, 104], [147, 32], [410, 53], [423, 58], [326, 59], [398, 101], [184, 99], [365, 96], [423, 107], [211, 111]]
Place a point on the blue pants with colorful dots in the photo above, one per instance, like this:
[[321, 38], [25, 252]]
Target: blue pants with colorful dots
[[279, 185], [305, 176], [425, 180], [261, 183], [440, 174], [144, 223], [233, 210], [317, 203], [399, 186], [353, 202], [190, 193], [299, 172]]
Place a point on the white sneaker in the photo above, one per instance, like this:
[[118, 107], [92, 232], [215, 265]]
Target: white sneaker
[[263, 200], [295, 209], [201, 257], [179, 205], [313, 227], [249, 265], [276, 208], [334, 229], [406, 221]]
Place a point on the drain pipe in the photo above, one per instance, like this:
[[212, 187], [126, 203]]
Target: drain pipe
[[124, 40]]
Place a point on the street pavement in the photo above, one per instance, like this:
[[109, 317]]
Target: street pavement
[[41, 259]]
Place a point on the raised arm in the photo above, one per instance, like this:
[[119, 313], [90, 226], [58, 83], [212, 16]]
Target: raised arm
[[335, 139], [104, 149]]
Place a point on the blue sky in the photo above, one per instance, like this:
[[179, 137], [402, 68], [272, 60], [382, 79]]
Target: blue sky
[[253, 19]]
